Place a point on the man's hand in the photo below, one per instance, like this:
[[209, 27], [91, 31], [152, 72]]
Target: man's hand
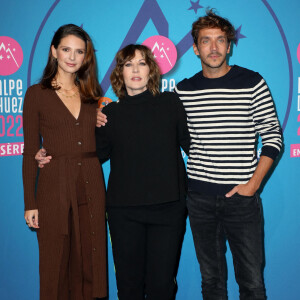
[[32, 218], [101, 118], [242, 189], [41, 158], [250, 188]]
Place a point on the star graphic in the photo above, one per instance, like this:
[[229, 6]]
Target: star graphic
[[154, 56], [162, 56], [1, 57], [14, 49], [238, 35], [195, 5], [8, 57]]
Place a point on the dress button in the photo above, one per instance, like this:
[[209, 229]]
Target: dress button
[[79, 164], [94, 249], [89, 198], [86, 182], [93, 232], [79, 143], [91, 216], [77, 123]]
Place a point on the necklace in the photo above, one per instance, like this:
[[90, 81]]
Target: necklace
[[61, 86], [68, 96]]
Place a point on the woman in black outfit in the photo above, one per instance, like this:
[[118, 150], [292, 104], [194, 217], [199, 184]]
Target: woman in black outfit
[[146, 188]]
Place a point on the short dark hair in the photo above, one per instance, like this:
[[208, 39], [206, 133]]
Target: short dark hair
[[86, 77], [212, 20], [126, 54]]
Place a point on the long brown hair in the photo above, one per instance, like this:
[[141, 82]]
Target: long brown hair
[[86, 76], [126, 54]]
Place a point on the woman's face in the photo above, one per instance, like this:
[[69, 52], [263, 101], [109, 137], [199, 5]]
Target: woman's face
[[70, 54], [136, 74]]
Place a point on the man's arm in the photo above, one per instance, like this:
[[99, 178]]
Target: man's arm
[[182, 128], [267, 125], [101, 118], [250, 188]]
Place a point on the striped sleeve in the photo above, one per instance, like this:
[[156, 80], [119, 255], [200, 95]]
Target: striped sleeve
[[265, 120]]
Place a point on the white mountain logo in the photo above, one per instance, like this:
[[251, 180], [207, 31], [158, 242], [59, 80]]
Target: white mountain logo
[[162, 49], [9, 53]]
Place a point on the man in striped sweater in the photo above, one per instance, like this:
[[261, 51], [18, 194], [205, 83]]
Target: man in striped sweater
[[227, 107]]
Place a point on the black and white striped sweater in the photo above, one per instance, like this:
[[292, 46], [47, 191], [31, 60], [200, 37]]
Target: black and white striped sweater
[[225, 116]]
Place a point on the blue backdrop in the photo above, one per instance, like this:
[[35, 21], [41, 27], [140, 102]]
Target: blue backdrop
[[268, 42]]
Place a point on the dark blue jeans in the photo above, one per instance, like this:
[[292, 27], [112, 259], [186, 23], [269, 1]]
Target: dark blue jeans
[[238, 219]]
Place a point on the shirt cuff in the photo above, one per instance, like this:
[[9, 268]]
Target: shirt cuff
[[269, 151]]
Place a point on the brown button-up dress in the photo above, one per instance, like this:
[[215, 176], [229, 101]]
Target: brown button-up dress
[[71, 142]]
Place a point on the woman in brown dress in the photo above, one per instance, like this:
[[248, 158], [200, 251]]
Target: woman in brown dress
[[65, 201]]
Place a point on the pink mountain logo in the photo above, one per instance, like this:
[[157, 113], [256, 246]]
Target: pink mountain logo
[[164, 52], [11, 56]]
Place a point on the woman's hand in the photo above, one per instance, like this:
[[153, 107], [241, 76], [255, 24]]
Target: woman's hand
[[32, 218], [41, 158]]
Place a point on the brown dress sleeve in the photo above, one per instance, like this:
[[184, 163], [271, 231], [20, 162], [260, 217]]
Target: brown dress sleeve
[[31, 146]]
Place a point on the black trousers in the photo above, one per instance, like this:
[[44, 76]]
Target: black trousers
[[214, 219], [146, 243]]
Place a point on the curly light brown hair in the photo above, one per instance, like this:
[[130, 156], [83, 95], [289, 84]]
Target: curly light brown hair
[[212, 20], [123, 56]]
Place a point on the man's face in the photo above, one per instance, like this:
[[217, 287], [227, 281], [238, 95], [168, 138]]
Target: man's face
[[212, 48]]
